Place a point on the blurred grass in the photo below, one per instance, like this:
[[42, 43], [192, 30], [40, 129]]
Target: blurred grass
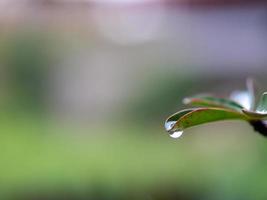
[[220, 161]]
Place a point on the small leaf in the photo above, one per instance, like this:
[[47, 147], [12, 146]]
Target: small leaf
[[202, 100], [262, 107], [204, 115]]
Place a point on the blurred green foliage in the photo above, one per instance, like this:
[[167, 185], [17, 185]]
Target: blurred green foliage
[[42, 160], [27, 59]]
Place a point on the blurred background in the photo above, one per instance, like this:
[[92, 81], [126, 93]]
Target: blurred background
[[85, 87]]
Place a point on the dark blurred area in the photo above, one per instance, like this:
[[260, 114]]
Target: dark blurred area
[[85, 87]]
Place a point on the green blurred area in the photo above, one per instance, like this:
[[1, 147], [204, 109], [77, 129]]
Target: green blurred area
[[128, 157], [27, 57], [222, 161]]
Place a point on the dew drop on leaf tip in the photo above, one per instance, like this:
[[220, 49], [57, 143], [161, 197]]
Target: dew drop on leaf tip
[[173, 134]]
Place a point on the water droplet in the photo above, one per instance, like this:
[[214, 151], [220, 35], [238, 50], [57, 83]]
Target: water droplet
[[176, 134], [169, 125]]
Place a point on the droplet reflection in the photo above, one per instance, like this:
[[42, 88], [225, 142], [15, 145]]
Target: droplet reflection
[[176, 134], [169, 125]]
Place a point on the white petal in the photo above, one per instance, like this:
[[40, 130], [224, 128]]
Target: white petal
[[243, 98]]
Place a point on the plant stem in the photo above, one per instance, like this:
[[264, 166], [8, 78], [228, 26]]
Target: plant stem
[[259, 126]]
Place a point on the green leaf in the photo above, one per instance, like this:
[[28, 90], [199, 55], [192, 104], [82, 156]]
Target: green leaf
[[169, 123], [202, 100], [262, 106], [203, 115]]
